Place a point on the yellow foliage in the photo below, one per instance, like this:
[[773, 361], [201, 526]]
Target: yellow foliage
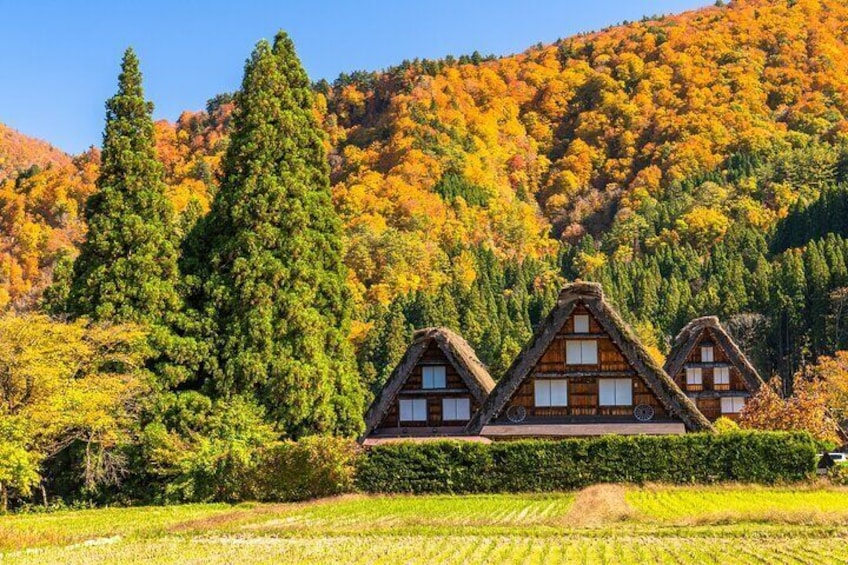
[[704, 226]]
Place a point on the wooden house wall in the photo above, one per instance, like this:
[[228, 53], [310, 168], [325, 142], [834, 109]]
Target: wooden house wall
[[583, 394], [711, 407], [454, 384]]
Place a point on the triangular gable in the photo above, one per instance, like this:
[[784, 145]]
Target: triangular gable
[[457, 352], [690, 336], [591, 296]]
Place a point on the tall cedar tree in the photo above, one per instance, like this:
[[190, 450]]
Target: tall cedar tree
[[272, 248], [127, 268]]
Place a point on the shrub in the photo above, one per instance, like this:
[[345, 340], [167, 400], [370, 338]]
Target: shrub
[[205, 451], [543, 465], [725, 425], [309, 468], [838, 475]]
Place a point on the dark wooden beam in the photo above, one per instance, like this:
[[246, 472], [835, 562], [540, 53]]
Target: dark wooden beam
[[583, 374]]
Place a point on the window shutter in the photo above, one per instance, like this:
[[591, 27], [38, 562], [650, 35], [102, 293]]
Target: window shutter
[[406, 410], [581, 323], [543, 392], [732, 405], [448, 409], [589, 350], [706, 354], [623, 392], [721, 376], [606, 392], [439, 376], [693, 376], [559, 393], [433, 376], [573, 352], [427, 377], [419, 410], [463, 409]]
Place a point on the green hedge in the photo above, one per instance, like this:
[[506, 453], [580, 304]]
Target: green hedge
[[542, 465]]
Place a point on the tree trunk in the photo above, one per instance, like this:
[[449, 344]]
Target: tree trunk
[[4, 499], [43, 495]]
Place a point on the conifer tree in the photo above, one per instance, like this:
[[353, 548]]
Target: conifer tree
[[127, 268], [274, 283]]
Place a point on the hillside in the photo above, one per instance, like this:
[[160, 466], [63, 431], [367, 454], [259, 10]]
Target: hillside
[[19, 152], [595, 130], [469, 186]]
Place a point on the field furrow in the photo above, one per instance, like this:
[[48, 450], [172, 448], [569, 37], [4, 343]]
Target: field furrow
[[600, 525]]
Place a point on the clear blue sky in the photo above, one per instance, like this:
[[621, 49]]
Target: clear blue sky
[[59, 59]]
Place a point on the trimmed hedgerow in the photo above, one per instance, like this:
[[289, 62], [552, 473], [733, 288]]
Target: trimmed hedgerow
[[544, 465]]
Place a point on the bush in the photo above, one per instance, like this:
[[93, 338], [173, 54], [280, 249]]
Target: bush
[[542, 465], [310, 468], [198, 450], [838, 475]]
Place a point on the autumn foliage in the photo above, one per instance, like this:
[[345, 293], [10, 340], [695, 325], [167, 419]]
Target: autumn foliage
[[818, 403], [586, 135]]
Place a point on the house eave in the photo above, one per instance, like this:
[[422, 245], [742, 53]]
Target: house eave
[[581, 430]]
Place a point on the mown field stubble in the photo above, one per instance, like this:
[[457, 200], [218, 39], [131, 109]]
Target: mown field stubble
[[600, 524]]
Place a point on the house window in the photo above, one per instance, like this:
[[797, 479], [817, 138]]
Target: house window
[[581, 352], [581, 323], [434, 376], [721, 376], [615, 392], [454, 409], [413, 410], [551, 392], [732, 405], [694, 376], [707, 354]]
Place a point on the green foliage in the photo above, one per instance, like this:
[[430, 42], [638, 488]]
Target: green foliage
[[19, 463], [452, 186], [538, 466], [805, 222], [127, 267], [725, 425], [312, 467], [203, 451], [67, 385], [495, 312], [838, 475], [199, 450], [269, 259]]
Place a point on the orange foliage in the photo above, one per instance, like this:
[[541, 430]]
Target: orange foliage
[[563, 139]]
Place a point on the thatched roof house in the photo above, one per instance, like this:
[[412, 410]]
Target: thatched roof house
[[584, 372], [433, 392], [707, 364]]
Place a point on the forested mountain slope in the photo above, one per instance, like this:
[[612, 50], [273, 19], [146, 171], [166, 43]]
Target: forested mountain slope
[[17, 151], [657, 157]]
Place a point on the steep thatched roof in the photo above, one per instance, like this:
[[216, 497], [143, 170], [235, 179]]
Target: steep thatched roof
[[689, 337], [458, 353], [591, 295]]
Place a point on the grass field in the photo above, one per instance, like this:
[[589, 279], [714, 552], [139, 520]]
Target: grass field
[[602, 524]]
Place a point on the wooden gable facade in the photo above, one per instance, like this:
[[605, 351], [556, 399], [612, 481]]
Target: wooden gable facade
[[710, 368], [433, 392], [584, 373]]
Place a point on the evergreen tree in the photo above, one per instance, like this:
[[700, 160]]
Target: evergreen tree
[[271, 258], [127, 268]]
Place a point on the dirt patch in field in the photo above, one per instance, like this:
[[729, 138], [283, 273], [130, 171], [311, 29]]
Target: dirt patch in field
[[247, 515], [599, 504]]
